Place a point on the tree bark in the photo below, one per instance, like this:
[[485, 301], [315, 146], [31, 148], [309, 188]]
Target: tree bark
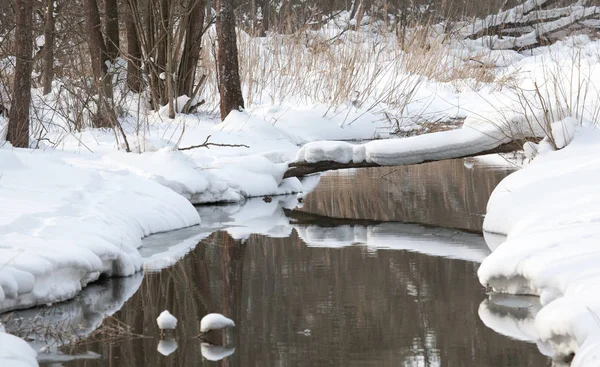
[[134, 53], [48, 47], [18, 121], [98, 52], [111, 19], [230, 90], [161, 57], [190, 56]]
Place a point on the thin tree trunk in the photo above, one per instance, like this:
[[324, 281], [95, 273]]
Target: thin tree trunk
[[169, 66], [134, 53], [161, 58], [111, 18], [191, 52], [48, 47], [230, 90], [18, 121], [99, 55]]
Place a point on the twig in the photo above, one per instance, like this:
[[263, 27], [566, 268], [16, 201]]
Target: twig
[[208, 144]]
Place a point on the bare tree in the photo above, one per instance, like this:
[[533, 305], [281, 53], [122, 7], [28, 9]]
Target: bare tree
[[230, 90], [99, 56], [48, 75], [18, 121], [111, 21], [191, 50], [134, 53]]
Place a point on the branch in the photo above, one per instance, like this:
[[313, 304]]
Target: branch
[[208, 144]]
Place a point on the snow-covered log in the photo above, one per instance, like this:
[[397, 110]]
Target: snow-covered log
[[467, 142]]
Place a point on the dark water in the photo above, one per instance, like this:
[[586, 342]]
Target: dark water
[[346, 284]]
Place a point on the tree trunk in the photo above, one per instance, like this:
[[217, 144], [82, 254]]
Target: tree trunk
[[105, 116], [134, 53], [111, 18], [18, 121], [230, 90], [161, 58], [191, 51], [48, 47]]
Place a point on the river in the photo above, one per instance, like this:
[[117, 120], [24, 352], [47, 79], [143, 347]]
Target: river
[[377, 267]]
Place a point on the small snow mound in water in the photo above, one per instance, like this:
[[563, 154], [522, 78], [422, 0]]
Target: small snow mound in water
[[215, 321], [166, 321]]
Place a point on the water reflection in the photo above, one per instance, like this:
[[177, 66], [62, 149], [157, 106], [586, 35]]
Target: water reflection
[[300, 305], [444, 194], [47, 328]]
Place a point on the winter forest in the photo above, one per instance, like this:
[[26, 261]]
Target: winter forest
[[297, 182]]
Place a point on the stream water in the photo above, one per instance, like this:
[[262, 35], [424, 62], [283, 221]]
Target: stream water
[[378, 267]]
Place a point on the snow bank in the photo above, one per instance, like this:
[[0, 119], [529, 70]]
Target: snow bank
[[549, 212], [63, 226], [15, 352]]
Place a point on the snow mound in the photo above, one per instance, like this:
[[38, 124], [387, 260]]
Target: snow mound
[[63, 226], [549, 212]]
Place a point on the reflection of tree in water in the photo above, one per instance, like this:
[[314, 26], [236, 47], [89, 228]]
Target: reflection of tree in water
[[361, 307], [439, 193]]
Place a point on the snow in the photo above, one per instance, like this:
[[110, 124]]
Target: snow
[[549, 212], [63, 226], [78, 206], [40, 41], [215, 321], [166, 321], [16, 352], [417, 149]]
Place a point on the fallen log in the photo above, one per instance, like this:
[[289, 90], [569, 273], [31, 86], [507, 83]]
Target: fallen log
[[299, 169]]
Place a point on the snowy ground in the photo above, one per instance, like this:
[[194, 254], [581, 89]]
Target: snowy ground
[[78, 206]]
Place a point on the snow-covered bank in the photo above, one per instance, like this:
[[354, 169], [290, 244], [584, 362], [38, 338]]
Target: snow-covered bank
[[63, 226], [549, 212]]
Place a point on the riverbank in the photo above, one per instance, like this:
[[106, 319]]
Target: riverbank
[[549, 213]]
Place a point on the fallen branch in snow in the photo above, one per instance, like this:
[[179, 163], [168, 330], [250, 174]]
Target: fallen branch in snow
[[300, 169], [208, 144]]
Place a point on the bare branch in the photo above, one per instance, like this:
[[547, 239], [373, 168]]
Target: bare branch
[[208, 144]]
